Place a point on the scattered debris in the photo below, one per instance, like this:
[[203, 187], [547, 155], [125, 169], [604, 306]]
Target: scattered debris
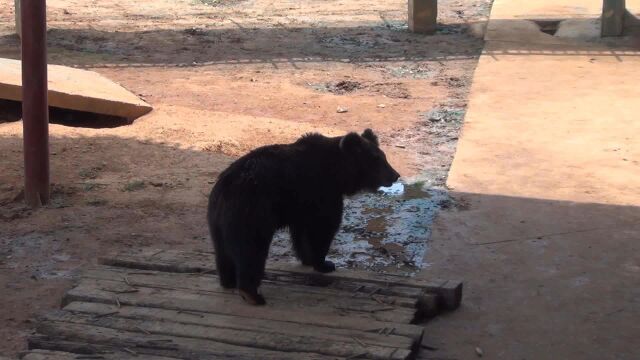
[[344, 86], [445, 114], [412, 71], [134, 185], [394, 90], [96, 202]]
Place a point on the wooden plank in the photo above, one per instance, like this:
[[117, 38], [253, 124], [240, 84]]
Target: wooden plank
[[144, 344], [194, 262], [40, 342], [39, 354], [83, 350], [346, 347], [182, 301], [183, 261], [241, 323], [209, 283], [613, 13], [291, 302]]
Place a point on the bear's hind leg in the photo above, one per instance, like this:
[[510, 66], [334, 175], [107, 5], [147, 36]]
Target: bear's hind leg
[[250, 269], [226, 270], [224, 263], [250, 272]]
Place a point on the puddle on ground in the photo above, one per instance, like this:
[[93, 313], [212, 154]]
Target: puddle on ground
[[385, 232]]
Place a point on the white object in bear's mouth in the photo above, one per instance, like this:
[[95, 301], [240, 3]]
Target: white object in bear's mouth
[[396, 188]]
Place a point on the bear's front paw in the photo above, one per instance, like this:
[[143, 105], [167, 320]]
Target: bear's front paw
[[326, 267]]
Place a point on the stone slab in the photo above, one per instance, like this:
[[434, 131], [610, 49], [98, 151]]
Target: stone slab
[[75, 89]]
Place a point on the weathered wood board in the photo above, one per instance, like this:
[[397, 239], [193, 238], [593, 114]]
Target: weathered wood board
[[162, 305]]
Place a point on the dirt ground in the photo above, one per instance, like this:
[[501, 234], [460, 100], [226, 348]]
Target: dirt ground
[[223, 77]]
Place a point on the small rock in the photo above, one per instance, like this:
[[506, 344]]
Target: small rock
[[381, 105], [479, 351], [341, 110]]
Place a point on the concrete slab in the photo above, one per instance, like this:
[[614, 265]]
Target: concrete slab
[[515, 21], [547, 170], [75, 89]]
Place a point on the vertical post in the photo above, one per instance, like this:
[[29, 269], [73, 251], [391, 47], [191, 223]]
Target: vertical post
[[423, 16], [613, 13], [18, 21], [35, 110]]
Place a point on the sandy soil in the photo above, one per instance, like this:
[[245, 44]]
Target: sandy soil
[[223, 77]]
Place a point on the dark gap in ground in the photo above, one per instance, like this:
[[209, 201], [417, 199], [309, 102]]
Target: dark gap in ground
[[11, 110], [85, 119], [548, 26]]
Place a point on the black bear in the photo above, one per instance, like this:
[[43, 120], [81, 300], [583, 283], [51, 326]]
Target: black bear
[[299, 186]]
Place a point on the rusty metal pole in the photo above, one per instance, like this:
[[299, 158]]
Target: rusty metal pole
[[35, 110]]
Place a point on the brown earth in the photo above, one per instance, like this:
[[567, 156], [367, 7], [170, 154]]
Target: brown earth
[[223, 78]]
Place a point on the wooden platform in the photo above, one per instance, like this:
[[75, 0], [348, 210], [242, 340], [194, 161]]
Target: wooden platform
[[75, 89], [162, 305]]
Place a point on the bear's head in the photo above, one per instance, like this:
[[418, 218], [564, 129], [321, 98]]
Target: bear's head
[[369, 162]]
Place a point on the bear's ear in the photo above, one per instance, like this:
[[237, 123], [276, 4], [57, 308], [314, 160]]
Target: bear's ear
[[350, 142], [369, 135]]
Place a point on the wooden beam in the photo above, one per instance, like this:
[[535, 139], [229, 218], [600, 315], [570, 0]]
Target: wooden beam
[[35, 110], [613, 13], [250, 339], [423, 16], [18, 21], [449, 292]]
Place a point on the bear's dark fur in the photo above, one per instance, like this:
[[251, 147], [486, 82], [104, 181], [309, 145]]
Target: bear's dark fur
[[299, 186]]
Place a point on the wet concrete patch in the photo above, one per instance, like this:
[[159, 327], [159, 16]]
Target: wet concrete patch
[[385, 231]]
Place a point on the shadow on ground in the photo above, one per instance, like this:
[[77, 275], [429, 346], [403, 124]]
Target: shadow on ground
[[541, 277], [290, 45], [297, 45]]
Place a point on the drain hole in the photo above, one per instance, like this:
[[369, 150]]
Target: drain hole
[[548, 26]]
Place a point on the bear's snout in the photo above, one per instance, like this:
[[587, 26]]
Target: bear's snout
[[391, 178]]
